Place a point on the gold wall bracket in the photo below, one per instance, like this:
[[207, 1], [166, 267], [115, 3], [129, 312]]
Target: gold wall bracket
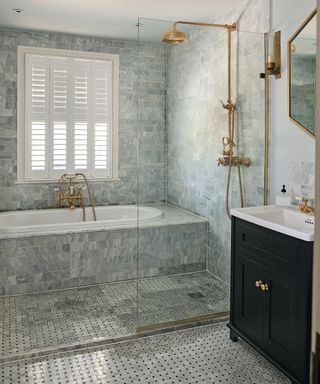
[[273, 64]]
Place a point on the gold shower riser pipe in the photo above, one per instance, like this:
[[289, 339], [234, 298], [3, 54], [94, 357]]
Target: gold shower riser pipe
[[177, 37], [230, 27], [230, 112]]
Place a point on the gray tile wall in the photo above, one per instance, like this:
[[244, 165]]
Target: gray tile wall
[[151, 60], [301, 181], [42, 263], [197, 81], [303, 90]]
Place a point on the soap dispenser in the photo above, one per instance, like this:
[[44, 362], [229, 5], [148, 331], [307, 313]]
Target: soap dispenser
[[283, 199]]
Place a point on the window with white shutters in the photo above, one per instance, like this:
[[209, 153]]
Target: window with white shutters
[[68, 114]]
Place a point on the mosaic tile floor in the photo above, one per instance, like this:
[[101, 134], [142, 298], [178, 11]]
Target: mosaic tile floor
[[31, 323], [179, 297], [198, 355]]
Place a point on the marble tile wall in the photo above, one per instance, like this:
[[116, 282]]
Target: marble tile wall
[[251, 16], [301, 181], [149, 59], [42, 263], [197, 81], [303, 91]]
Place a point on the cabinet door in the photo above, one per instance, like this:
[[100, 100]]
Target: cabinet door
[[285, 314], [248, 302]]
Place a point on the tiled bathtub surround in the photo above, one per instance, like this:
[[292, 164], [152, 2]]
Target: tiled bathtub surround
[[150, 62], [176, 243]]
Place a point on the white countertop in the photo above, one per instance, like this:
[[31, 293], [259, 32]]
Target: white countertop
[[287, 220]]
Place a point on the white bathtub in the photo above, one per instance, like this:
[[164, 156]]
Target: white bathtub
[[64, 220]]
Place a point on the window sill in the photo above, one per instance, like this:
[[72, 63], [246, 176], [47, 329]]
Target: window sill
[[57, 181]]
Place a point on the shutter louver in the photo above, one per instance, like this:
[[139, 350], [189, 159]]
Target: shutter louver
[[38, 145], [69, 117], [38, 105], [59, 78], [102, 113], [37, 116]]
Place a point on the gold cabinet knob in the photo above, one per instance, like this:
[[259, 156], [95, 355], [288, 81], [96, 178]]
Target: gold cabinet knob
[[264, 287], [261, 285]]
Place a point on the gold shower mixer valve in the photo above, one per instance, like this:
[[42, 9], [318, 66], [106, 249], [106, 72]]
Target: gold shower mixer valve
[[229, 106], [226, 161]]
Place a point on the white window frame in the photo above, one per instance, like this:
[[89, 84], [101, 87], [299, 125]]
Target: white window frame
[[22, 144]]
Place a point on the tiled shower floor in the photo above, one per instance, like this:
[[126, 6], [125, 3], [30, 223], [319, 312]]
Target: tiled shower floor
[[35, 322], [203, 355]]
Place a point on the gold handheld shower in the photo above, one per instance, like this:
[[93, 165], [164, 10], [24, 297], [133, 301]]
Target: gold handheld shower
[[229, 159]]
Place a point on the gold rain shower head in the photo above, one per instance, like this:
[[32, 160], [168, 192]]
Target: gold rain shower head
[[178, 37], [174, 36]]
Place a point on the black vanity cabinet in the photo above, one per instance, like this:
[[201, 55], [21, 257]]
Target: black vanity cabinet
[[271, 283]]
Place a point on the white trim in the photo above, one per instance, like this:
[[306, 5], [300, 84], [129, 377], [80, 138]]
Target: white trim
[[316, 254], [55, 181], [21, 115], [70, 118], [115, 117], [22, 173]]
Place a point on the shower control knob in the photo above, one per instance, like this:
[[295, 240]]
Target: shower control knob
[[221, 161]]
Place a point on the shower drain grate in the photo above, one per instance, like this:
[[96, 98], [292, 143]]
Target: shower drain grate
[[196, 295]]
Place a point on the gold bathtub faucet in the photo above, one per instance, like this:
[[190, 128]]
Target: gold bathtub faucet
[[70, 197], [74, 193], [304, 207]]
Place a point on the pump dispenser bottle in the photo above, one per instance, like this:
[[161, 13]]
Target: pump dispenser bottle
[[283, 199]]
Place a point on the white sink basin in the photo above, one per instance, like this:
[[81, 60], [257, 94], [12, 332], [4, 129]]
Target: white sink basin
[[287, 220]]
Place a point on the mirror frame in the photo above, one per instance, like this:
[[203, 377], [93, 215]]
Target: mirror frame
[[307, 20]]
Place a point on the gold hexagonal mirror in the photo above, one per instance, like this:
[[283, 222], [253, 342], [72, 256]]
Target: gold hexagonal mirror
[[302, 52]]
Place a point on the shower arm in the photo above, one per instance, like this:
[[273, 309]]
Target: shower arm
[[230, 27]]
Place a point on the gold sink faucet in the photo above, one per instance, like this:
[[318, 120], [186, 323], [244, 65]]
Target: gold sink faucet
[[304, 207]]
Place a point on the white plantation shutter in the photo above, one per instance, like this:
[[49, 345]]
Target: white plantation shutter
[[69, 117], [57, 146], [102, 115], [37, 116], [81, 116]]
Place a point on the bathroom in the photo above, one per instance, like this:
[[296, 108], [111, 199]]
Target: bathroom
[[144, 183]]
